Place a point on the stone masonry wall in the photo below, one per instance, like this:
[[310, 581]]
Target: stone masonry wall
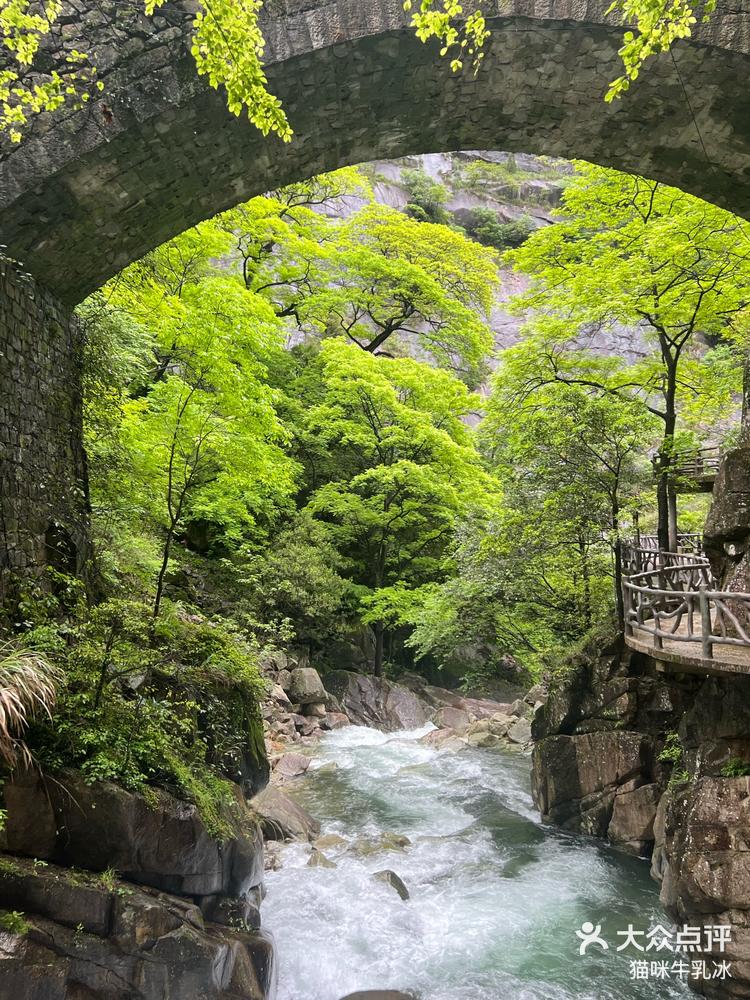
[[43, 503]]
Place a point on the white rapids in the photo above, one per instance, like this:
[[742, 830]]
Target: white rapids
[[495, 898]]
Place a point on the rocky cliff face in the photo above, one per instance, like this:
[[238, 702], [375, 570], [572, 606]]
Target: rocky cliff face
[[647, 761], [111, 895]]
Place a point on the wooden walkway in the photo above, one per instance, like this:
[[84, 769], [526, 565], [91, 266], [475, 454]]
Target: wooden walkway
[[675, 614]]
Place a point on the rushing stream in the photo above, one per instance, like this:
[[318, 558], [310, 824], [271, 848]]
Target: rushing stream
[[496, 898]]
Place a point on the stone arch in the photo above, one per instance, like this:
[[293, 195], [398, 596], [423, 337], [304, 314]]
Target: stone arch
[[89, 191]]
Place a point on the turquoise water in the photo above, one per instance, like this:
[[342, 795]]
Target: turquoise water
[[495, 898]]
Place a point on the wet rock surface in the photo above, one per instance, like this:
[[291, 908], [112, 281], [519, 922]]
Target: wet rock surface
[[161, 842], [88, 937], [646, 760], [374, 701]]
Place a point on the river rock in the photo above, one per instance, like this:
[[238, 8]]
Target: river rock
[[290, 765], [374, 701], [520, 732], [282, 818], [279, 695], [365, 846], [318, 860], [284, 680], [484, 739], [335, 720], [306, 687], [536, 696], [88, 939], [483, 708], [520, 708], [445, 739], [303, 725], [330, 841], [162, 842], [316, 710], [453, 718], [393, 880]]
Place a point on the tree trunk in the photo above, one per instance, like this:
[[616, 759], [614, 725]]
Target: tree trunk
[[163, 570], [377, 667], [617, 553], [586, 580], [672, 510], [665, 459]]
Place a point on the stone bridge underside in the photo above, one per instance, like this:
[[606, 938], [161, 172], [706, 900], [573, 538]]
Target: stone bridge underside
[[89, 191]]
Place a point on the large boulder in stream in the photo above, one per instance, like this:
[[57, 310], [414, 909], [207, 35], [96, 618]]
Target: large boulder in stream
[[282, 818], [376, 702]]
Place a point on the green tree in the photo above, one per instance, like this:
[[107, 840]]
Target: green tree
[[427, 197], [390, 284], [204, 441], [408, 470], [632, 251], [574, 456]]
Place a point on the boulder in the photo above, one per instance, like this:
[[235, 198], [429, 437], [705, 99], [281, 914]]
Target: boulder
[[306, 687], [161, 842], [444, 739], [520, 708], [485, 740], [335, 720], [365, 846], [315, 709], [448, 717], [483, 708], [520, 732], [284, 680], [318, 860], [290, 765], [393, 880], [330, 842], [282, 818], [87, 938], [304, 725], [279, 695], [536, 696], [376, 702]]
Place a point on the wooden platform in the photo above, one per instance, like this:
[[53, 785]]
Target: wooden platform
[[679, 655]]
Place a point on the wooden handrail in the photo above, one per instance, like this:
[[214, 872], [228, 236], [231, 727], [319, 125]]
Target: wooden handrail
[[676, 600]]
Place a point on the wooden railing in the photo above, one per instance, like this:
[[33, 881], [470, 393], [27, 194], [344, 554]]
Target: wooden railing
[[643, 554], [695, 470], [674, 611]]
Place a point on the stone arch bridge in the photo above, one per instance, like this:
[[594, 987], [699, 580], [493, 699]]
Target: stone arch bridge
[[89, 191]]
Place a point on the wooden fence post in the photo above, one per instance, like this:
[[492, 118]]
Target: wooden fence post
[[705, 607]]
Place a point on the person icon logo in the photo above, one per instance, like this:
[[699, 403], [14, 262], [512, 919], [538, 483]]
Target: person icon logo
[[590, 935]]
